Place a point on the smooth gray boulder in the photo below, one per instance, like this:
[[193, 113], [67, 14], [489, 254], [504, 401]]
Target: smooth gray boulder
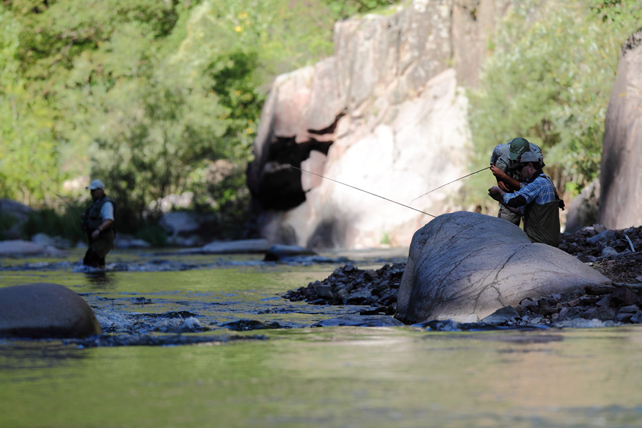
[[45, 310], [465, 266]]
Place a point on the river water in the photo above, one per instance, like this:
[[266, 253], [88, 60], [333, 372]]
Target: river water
[[291, 374]]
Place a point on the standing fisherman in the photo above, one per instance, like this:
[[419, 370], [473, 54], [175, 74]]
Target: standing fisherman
[[504, 156], [98, 223], [537, 201]]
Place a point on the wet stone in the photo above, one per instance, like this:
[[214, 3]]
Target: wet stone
[[592, 306], [623, 317], [605, 301], [629, 309], [360, 321], [624, 296], [246, 325], [569, 313], [637, 318], [501, 316]]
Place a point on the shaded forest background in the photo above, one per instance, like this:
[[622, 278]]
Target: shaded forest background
[[162, 98]]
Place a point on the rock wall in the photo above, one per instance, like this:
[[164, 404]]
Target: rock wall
[[386, 114], [621, 170]]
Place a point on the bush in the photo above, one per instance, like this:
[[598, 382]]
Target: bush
[[154, 234], [537, 85], [53, 223], [7, 221]]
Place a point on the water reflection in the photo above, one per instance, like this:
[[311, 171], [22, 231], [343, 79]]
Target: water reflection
[[101, 278], [34, 356]]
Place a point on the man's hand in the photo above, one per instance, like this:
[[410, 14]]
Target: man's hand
[[496, 193], [501, 175], [503, 186], [95, 233]]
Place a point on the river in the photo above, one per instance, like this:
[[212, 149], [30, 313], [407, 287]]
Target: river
[[290, 374]]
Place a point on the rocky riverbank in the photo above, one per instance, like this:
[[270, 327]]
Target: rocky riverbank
[[617, 254]]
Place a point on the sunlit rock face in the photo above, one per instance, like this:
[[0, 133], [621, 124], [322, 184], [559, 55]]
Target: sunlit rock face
[[464, 266], [621, 174], [45, 310], [385, 114]]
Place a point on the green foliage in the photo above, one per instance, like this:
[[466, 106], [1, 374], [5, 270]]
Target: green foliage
[[147, 95], [55, 223], [539, 85], [28, 157], [7, 221], [625, 13], [154, 234], [346, 8]]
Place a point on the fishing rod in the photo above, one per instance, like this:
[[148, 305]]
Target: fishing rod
[[365, 191], [450, 182]]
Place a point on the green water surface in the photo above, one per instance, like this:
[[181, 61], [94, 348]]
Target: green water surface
[[314, 377]]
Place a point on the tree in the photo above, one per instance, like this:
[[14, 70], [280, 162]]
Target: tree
[[554, 93]]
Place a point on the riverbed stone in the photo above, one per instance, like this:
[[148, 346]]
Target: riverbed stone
[[464, 266], [279, 252], [360, 321], [244, 246], [45, 310], [500, 316], [624, 296]]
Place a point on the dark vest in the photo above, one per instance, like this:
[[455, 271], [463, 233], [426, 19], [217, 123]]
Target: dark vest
[[93, 214], [542, 222]]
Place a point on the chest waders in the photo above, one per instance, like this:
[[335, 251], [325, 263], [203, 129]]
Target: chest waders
[[542, 223]]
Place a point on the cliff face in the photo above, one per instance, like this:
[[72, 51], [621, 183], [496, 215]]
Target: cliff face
[[385, 114], [621, 173]]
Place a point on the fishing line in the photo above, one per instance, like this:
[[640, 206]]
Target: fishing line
[[450, 182], [365, 191]]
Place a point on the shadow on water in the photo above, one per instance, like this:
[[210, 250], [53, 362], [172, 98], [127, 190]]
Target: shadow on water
[[101, 278]]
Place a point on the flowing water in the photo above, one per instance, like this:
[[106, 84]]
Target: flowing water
[[291, 374]]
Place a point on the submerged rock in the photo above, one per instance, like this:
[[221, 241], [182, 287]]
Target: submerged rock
[[280, 252], [246, 246], [464, 266], [360, 321], [45, 310], [246, 325]]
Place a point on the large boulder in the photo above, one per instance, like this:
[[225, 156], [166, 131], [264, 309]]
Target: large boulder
[[385, 114], [464, 266], [45, 310], [620, 172]]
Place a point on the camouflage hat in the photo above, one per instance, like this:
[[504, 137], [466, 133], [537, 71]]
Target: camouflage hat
[[518, 146]]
